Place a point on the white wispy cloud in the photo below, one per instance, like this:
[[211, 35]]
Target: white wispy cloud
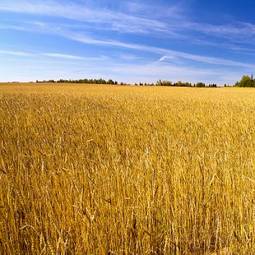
[[141, 18], [170, 21], [118, 21], [63, 56], [206, 60], [50, 55], [235, 32], [16, 53], [167, 53]]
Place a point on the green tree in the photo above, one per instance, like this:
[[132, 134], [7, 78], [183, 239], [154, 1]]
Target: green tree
[[246, 81], [200, 85]]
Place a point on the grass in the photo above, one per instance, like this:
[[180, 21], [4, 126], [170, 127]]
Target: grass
[[124, 170]]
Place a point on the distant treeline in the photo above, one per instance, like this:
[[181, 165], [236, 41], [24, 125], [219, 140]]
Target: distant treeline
[[246, 81], [184, 84], [82, 81], [112, 82]]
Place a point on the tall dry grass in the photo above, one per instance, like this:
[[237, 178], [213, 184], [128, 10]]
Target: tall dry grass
[[122, 170]]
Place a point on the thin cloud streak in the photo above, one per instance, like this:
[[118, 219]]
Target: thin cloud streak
[[118, 21], [50, 55], [167, 53], [175, 24], [64, 56], [15, 53]]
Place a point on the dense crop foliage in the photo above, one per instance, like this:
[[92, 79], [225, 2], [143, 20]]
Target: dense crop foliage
[[122, 170]]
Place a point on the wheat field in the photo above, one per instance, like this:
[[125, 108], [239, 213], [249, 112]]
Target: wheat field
[[126, 170]]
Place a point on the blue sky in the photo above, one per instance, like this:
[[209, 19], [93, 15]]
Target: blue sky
[[129, 41]]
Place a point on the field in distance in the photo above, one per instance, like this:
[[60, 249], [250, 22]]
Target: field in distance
[[126, 170]]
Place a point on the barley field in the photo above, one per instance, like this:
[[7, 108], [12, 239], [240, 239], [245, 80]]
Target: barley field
[[126, 170]]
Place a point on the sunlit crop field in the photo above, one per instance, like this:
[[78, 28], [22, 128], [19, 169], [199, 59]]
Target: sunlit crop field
[[126, 170]]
